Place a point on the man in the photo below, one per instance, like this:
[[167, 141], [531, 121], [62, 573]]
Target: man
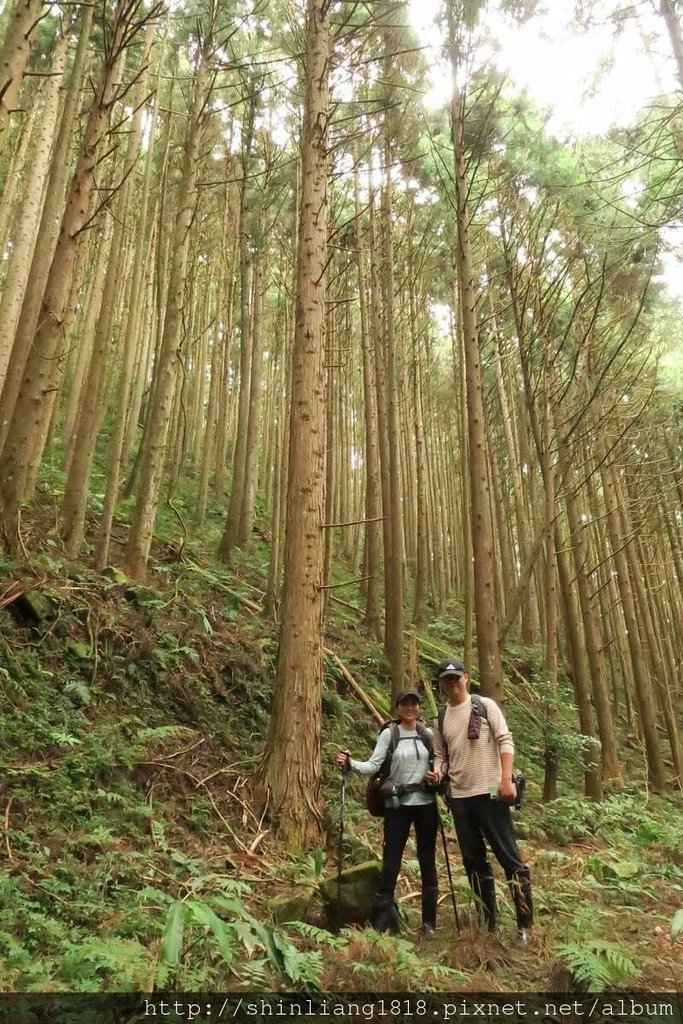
[[476, 753]]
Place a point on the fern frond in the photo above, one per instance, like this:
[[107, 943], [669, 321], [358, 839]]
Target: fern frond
[[319, 935], [598, 964]]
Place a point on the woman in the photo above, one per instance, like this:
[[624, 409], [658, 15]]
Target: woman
[[414, 804]]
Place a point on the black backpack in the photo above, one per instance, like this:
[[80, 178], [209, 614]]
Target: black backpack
[[375, 799], [478, 714]]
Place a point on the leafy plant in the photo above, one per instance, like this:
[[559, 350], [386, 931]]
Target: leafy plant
[[319, 935], [610, 869], [117, 964], [78, 689], [448, 973], [297, 967], [598, 964]]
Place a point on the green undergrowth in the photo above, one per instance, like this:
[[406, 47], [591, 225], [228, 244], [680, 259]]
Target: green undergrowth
[[134, 851]]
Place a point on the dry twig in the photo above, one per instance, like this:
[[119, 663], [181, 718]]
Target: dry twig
[[10, 858]]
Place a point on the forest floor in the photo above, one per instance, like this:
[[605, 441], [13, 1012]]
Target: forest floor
[[134, 851]]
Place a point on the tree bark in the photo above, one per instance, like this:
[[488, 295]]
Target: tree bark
[[22, 253], [372, 548], [393, 562], [232, 520], [27, 421], [161, 401], [292, 772], [490, 669], [44, 249], [592, 781], [254, 418], [24, 17], [643, 684], [93, 403], [673, 27]]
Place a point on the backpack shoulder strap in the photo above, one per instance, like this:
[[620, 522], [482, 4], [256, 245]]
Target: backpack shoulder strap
[[439, 723], [425, 737], [479, 707], [393, 743], [395, 736]]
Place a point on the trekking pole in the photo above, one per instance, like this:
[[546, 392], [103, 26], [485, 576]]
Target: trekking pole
[[342, 814], [448, 869]]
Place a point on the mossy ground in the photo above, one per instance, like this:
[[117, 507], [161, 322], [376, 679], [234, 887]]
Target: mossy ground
[[132, 725]]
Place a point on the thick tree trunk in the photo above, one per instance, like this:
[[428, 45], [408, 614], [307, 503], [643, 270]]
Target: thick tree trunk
[[490, 671], [217, 384], [22, 252], [393, 562], [51, 218], [422, 546], [93, 404], [133, 345], [12, 176], [232, 520], [275, 567], [460, 383], [225, 395], [254, 417], [373, 503], [521, 514], [292, 771], [29, 412], [667, 9], [550, 599], [14, 55]]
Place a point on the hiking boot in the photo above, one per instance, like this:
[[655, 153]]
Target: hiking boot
[[427, 932], [385, 916], [522, 939]]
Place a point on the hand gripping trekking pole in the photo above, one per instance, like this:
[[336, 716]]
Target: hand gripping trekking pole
[[346, 768], [448, 869]]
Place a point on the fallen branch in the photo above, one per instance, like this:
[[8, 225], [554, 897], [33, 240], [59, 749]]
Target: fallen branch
[[215, 582], [355, 687], [177, 753], [15, 589], [246, 807], [48, 890], [257, 842], [409, 896], [346, 583], [10, 858], [353, 522]]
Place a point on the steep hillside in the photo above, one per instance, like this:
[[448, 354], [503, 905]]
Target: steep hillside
[[136, 851]]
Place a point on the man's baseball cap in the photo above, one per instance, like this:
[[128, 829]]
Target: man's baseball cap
[[404, 694], [451, 667]]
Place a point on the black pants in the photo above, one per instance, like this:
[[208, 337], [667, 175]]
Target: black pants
[[479, 818], [397, 822]]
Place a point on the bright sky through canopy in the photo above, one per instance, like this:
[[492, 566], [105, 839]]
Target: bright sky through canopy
[[591, 79]]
